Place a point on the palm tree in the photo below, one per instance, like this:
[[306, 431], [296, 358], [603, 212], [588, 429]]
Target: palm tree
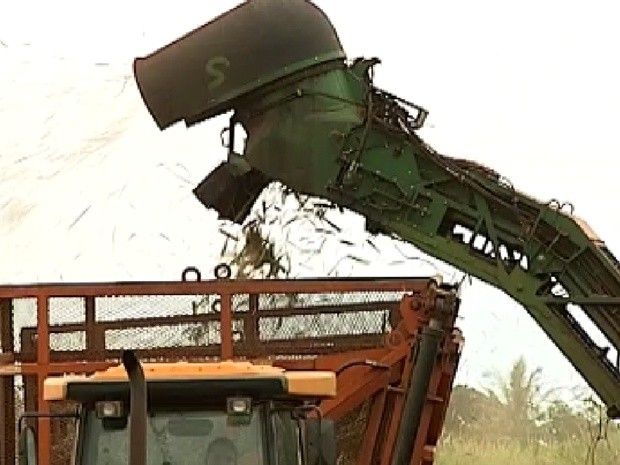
[[521, 396]]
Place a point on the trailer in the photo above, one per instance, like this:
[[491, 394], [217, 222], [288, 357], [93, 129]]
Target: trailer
[[390, 345]]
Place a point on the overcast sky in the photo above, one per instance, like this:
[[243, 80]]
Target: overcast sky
[[529, 88]]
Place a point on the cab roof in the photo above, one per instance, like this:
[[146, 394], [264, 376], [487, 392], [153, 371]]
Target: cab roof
[[177, 380]]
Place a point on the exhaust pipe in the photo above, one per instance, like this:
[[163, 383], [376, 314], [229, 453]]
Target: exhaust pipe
[[137, 408]]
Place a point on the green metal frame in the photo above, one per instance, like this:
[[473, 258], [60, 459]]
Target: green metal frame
[[330, 136], [327, 131]]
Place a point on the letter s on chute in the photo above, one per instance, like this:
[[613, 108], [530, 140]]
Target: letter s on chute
[[214, 71]]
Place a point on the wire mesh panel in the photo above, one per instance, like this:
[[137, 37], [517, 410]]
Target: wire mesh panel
[[177, 326], [178, 322], [325, 315], [67, 311], [24, 316], [154, 322], [68, 341], [179, 335], [325, 299], [18, 408], [134, 307], [324, 325], [64, 310]]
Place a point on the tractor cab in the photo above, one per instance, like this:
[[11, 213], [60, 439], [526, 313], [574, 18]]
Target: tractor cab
[[225, 413]]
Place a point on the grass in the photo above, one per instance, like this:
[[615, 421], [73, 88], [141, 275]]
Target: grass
[[472, 452]]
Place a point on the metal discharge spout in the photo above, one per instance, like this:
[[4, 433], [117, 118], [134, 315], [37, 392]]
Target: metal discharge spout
[[209, 70]]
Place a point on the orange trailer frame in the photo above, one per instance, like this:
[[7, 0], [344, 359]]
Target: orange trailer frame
[[371, 367]]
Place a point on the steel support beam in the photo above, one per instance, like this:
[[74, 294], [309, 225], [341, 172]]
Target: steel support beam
[[7, 388]]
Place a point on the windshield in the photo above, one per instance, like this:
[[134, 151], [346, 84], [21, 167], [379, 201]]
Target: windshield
[[179, 438], [286, 438]]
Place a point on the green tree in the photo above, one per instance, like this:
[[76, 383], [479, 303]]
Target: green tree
[[471, 414], [522, 396], [562, 422]]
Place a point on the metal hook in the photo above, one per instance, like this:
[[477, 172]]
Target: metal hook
[[222, 271], [191, 269], [570, 206], [225, 144]]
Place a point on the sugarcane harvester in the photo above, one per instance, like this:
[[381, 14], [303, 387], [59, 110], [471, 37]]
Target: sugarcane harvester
[[316, 122]]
